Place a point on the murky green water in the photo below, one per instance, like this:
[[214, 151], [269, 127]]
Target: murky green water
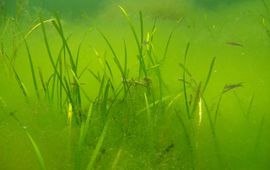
[[146, 127]]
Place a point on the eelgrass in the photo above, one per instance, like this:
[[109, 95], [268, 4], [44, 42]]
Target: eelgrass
[[32, 141], [148, 110], [259, 136], [67, 79], [115, 58], [83, 132], [250, 107], [197, 102], [64, 83], [116, 160], [140, 56], [226, 89], [209, 75], [32, 68], [105, 110], [188, 138], [184, 82], [18, 79]]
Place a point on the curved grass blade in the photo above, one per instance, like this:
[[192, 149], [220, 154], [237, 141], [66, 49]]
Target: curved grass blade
[[36, 26]]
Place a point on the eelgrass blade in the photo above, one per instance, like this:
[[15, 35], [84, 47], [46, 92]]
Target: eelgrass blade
[[91, 163], [58, 26], [124, 79], [101, 87], [88, 118], [96, 76], [196, 99], [68, 89], [42, 81], [32, 68], [140, 58], [50, 82], [184, 84], [147, 108], [131, 26], [217, 108], [116, 159], [259, 135], [227, 88], [96, 151], [173, 100], [17, 77], [187, 137], [149, 43], [208, 112], [33, 142], [209, 74], [154, 103], [36, 26], [21, 84], [63, 84], [125, 61], [104, 104], [83, 71], [266, 8], [77, 55], [167, 46], [141, 26], [169, 40], [19, 81], [45, 85], [109, 68], [78, 84], [83, 131], [37, 151], [115, 57], [213, 132], [185, 69], [250, 107], [140, 47]]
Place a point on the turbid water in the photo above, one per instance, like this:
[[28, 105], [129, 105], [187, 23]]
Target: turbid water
[[172, 118]]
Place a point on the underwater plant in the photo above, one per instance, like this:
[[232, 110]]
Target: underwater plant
[[130, 119]]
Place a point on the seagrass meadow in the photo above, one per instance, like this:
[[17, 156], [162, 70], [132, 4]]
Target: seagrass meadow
[[127, 85]]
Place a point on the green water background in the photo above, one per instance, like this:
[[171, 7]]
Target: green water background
[[208, 25]]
